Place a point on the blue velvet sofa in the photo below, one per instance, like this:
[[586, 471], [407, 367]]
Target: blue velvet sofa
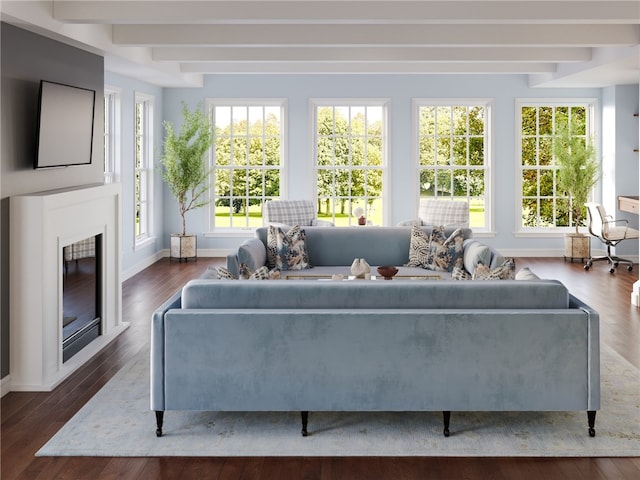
[[332, 250], [401, 345]]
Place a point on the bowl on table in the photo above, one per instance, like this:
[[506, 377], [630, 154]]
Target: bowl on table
[[387, 271]]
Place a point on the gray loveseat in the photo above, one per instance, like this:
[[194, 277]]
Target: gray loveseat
[[404, 345]]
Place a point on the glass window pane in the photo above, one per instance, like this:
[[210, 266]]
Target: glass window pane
[[460, 151], [444, 151], [427, 183], [476, 151], [529, 121], [529, 152], [476, 120], [443, 118], [426, 151], [427, 121]]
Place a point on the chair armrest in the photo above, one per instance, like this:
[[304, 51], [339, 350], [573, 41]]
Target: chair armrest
[[622, 220]]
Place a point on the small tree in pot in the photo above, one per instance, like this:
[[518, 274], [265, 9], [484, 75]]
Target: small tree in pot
[[578, 172], [185, 169]]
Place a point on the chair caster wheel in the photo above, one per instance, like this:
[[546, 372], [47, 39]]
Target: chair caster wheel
[[592, 432], [630, 268], [612, 270], [587, 267]]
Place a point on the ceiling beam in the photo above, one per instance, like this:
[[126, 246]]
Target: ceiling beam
[[363, 35], [348, 11], [371, 54], [366, 68]]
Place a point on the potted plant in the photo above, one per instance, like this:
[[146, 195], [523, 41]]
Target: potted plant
[[185, 169], [578, 172]]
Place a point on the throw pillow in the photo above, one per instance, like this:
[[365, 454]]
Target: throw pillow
[[526, 274], [459, 273], [287, 250], [445, 253], [223, 273], [475, 253], [506, 271], [245, 273], [418, 248]]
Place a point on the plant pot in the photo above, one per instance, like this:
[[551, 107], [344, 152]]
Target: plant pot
[[577, 246], [184, 247]]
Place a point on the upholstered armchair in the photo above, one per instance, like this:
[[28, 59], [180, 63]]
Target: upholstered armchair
[[437, 211], [292, 212]]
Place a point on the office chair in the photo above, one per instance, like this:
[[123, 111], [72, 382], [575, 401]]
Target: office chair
[[610, 232]]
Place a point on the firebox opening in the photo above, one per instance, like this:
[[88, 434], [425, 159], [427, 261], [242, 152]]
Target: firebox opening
[[81, 294]]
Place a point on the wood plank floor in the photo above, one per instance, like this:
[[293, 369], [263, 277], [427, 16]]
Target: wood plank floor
[[29, 419]]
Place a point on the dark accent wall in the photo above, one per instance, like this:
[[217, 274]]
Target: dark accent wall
[[27, 58]]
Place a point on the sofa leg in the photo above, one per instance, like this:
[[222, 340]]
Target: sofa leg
[[446, 417], [159, 420], [305, 420], [591, 416]]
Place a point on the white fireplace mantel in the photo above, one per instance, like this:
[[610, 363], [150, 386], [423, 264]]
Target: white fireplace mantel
[[40, 225]]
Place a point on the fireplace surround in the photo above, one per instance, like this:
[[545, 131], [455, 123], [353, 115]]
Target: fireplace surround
[[41, 225]]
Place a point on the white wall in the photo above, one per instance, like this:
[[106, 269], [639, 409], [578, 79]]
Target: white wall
[[620, 162], [400, 89], [134, 259]]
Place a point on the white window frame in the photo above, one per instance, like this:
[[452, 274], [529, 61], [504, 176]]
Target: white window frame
[[211, 104], [146, 171], [591, 105], [112, 134], [487, 104], [384, 103]]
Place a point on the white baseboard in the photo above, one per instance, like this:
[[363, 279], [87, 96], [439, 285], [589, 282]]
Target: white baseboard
[[5, 385], [205, 252], [147, 262]]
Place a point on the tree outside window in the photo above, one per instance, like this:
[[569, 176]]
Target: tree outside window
[[543, 205], [350, 162], [453, 159], [247, 160]]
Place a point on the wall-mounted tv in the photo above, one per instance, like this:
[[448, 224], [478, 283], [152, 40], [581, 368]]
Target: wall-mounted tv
[[65, 125]]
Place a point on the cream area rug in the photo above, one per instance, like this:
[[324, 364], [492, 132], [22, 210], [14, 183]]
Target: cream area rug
[[117, 422]]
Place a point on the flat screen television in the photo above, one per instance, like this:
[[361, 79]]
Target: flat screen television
[[65, 125]]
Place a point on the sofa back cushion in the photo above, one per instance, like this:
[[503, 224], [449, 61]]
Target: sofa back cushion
[[375, 294], [377, 245]]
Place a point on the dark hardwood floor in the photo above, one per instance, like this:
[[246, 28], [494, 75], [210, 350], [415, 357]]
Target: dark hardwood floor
[[29, 419]]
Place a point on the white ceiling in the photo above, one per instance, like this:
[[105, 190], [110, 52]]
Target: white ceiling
[[568, 43]]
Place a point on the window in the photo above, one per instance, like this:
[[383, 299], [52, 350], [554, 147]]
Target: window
[[111, 134], [542, 206], [350, 159], [454, 156], [143, 167], [247, 159]]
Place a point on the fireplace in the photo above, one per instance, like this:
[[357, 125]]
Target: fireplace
[[60, 241], [81, 294]]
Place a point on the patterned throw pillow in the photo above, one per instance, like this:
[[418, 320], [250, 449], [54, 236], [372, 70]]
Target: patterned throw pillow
[[506, 271], [244, 273], [445, 253], [418, 248], [225, 274], [287, 250], [459, 273]]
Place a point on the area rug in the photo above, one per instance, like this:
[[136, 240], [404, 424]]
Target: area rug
[[117, 422]]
